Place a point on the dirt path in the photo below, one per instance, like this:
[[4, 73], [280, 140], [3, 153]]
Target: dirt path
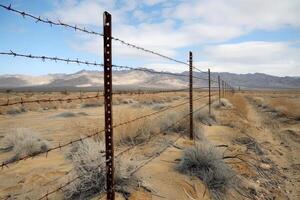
[[280, 142]]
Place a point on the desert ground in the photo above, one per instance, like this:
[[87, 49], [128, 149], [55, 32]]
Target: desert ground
[[250, 145]]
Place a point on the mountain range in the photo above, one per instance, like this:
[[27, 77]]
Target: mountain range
[[143, 79]]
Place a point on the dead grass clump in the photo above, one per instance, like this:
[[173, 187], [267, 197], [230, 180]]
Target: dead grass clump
[[204, 117], [240, 103], [24, 142], [133, 135], [66, 114], [70, 114], [284, 106], [250, 143], [170, 118], [259, 101], [206, 163], [15, 110], [89, 165], [91, 104], [224, 103], [159, 106], [127, 101]]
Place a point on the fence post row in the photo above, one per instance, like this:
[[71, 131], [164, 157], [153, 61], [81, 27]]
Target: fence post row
[[191, 96], [109, 145], [209, 93]]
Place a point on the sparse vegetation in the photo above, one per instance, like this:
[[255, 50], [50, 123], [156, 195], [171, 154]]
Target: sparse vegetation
[[89, 165], [239, 102], [206, 163], [16, 110], [250, 143], [70, 114], [224, 103], [23, 142], [91, 104], [204, 117]]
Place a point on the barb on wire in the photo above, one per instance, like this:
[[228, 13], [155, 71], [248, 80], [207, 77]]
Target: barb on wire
[[43, 58], [68, 100], [50, 22]]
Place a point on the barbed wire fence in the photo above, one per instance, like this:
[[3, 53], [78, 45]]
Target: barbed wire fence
[[215, 88]]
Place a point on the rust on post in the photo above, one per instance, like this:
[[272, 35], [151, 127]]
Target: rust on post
[[191, 96], [109, 145], [219, 84], [223, 90], [209, 93]]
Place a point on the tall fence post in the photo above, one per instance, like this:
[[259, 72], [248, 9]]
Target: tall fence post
[[109, 145], [191, 96], [223, 88], [209, 93], [219, 84]]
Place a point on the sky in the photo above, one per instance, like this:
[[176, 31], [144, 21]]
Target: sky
[[238, 36]]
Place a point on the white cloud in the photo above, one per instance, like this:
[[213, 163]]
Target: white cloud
[[250, 14], [192, 23], [153, 2], [277, 58]]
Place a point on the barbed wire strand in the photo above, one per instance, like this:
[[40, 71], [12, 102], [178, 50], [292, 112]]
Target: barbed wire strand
[[76, 61], [50, 22], [43, 58], [68, 100]]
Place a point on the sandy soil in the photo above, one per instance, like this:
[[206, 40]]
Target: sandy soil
[[269, 169]]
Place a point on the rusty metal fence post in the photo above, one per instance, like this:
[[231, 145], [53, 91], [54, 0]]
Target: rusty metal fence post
[[219, 84], [223, 89], [109, 145], [209, 93], [191, 96]]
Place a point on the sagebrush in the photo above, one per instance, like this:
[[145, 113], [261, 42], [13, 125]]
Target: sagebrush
[[205, 162]]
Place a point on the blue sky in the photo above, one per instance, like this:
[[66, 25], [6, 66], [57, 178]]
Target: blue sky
[[234, 36]]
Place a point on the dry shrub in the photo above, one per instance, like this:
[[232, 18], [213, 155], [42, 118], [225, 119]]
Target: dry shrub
[[127, 101], [89, 165], [91, 104], [15, 110], [173, 122], [68, 114], [24, 142], [205, 162], [204, 117], [135, 132], [285, 106], [240, 103], [259, 101], [159, 106], [250, 143], [224, 103]]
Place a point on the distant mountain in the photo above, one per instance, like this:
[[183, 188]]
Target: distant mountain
[[141, 79]]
